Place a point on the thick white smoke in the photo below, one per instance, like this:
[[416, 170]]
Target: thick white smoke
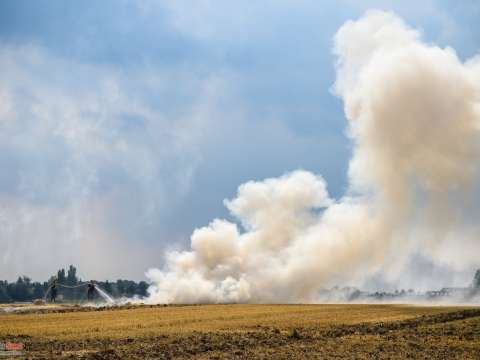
[[414, 116]]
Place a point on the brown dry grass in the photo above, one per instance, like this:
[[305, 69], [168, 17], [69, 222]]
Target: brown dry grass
[[249, 331]]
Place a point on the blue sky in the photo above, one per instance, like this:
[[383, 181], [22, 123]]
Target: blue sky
[[125, 124]]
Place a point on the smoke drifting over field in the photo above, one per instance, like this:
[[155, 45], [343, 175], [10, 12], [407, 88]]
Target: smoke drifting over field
[[414, 112]]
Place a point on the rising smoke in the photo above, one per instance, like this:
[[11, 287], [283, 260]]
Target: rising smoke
[[414, 112]]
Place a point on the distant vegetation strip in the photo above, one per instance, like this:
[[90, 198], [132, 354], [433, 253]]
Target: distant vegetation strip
[[24, 289]]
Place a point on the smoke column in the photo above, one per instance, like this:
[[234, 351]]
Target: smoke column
[[414, 112]]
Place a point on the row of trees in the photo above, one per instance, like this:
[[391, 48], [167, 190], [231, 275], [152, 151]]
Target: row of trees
[[24, 289]]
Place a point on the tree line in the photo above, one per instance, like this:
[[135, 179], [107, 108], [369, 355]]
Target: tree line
[[24, 289]]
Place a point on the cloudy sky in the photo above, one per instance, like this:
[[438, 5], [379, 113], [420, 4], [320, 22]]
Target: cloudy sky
[[125, 124]]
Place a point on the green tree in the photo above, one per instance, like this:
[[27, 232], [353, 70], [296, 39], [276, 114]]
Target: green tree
[[142, 288], [476, 280], [107, 286], [131, 288], [38, 292], [72, 276], [61, 276], [18, 291], [120, 287], [4, 297]]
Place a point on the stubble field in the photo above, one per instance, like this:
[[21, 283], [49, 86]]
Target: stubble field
[[247, 331]]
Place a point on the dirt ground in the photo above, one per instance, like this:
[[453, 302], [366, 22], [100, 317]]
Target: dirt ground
[[246, 331]]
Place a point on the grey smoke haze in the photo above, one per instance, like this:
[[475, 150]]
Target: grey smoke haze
[[104, 167], [83, 161], [414, 112]]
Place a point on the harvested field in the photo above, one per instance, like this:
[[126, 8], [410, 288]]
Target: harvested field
[[247, 331]]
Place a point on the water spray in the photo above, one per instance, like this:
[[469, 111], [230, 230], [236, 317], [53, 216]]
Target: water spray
[[103, 294]]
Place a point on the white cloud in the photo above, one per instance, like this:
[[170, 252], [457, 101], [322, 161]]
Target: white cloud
[[90, 161]]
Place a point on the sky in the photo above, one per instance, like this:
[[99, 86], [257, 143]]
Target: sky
[[125, 124]]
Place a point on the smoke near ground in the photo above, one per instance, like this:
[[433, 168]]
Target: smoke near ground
[[414, 112]]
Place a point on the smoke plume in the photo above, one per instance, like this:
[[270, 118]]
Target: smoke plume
[[414, 112]]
